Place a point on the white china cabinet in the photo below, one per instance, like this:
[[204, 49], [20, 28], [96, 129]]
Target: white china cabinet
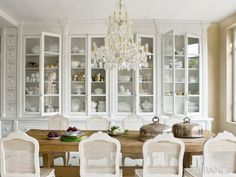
[[42, 75], [134, 90], [181, 74], [78, 62], [145, 87], [125, 92], [97, 80]]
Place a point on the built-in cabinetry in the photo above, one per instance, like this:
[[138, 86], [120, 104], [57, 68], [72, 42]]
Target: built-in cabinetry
[[98, 80], [181, 74], [174, 83], [88, 79], [135, 90], [42, 74]]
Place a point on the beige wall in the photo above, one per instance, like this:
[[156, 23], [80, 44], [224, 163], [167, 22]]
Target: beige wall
[[213, 75], [224, 100]]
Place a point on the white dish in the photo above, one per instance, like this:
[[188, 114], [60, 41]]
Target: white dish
[[75, 49], [124, 78]]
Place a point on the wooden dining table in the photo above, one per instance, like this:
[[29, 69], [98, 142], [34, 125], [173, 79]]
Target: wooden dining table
[[130, 144]]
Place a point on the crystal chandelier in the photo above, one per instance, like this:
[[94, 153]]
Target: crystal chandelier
[[120, 50]]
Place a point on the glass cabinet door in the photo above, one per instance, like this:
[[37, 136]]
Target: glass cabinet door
[[168, 72], [50, 68], [125, 91], [31, 75], [78, 74], [179, 75], [98, 84], [145, 79], [193, 54]]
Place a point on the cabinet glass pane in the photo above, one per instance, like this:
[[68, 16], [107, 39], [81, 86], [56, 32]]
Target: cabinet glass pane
[[78, 59], [51, 73], [99, 79], [179, 74], [193, 52], [32, 77], [125, 90], [168, 72], [145, 79]]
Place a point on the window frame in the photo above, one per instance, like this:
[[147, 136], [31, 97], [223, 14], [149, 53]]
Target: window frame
[[234, 75]]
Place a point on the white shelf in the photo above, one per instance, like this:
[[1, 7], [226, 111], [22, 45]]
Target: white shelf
[[98, 82], [51, 95], [31, 95], [125, 82], [193, 69], [145, 95], [146, 69], [98, 68], [193, 82], [32, 68], [50, 81], [94, 95], [31, 82], [51, 68], [32, 55], [51, 54], [78, 54], [78, 82], [77, 68], [78, 95], [146, 82], [125, 95], [176, 55]]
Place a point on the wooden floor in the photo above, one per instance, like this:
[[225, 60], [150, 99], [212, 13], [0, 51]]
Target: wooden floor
[[62, 171]]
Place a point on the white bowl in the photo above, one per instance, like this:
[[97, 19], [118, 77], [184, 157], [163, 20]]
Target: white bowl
[[124, 78], [35, 49], [98, 91], [75, 49], [75, 64], [94, 104]]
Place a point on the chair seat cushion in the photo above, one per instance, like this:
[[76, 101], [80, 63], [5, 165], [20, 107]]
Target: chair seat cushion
[[47, 172]]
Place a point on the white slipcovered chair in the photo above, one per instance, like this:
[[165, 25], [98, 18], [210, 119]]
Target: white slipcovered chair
[[20, 157], [97, 123], [132, 123], [163, 157], [59, 122], [100, 156], [219, 158]]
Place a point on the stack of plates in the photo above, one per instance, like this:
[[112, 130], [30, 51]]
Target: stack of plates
[[101, 106]]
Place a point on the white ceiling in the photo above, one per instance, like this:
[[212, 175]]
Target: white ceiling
[[47, 10]]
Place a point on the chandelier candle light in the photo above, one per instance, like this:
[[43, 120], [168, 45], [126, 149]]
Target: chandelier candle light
[[120, 50]]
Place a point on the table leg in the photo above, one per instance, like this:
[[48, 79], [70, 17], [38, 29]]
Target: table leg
[[47, 160], [187, 160]]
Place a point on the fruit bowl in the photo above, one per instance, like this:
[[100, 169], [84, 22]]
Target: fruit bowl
[[72, 131], [53, 135]]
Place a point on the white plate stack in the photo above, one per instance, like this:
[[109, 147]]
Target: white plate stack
[[101, 106]]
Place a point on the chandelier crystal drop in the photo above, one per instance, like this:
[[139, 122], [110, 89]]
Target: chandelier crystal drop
[[120, 50]]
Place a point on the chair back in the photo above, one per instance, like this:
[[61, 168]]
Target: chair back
[[163, 156], [220, 156], [132, 123], [58, 122], [99, 156], [19, 156], [97, 123]]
